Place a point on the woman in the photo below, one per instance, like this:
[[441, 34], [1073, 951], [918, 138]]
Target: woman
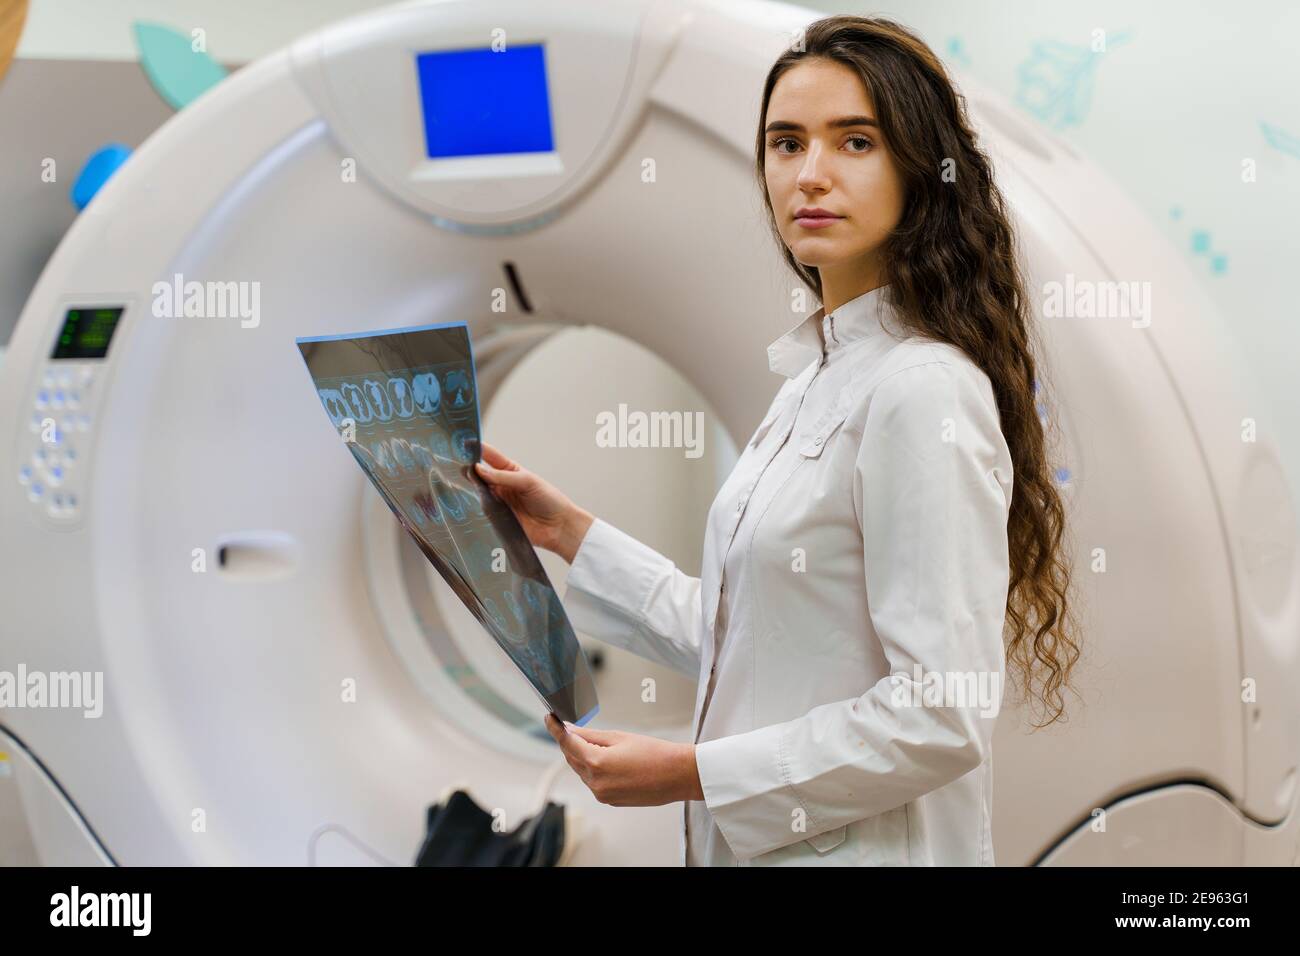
[[865, 557]]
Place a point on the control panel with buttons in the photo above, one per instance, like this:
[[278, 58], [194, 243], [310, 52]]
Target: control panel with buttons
[[59, 430], [54, 447]]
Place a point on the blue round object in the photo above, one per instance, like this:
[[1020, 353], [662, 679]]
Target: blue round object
[[97, 171]]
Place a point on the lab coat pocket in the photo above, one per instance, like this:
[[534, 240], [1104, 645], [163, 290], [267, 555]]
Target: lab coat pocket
[[828, 840], [825, 427], [885, 839]]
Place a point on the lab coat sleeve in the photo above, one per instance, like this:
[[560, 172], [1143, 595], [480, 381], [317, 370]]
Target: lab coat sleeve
[[623, 592], [931, 490]]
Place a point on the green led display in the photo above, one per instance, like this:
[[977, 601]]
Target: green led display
[[86, 332]]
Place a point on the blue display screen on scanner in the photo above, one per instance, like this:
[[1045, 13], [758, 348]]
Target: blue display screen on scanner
[[485, 103]]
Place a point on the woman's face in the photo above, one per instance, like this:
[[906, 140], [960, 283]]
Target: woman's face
[[844, 169]]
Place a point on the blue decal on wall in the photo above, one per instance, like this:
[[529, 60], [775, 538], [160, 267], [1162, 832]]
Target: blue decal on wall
[[177, 71], [1055, 83], [1202, 244], [1280, 139], [957, 51], [101, 165]]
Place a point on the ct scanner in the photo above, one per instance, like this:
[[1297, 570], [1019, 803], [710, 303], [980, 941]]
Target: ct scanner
[[198, 436]]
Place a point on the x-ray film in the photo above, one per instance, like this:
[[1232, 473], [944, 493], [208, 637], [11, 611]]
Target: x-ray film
[[405, 403]]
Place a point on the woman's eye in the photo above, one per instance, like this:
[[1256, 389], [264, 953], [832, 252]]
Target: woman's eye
[[776, 143]]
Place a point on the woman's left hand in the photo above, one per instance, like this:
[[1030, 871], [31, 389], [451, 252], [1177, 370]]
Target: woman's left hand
[[628, 770]]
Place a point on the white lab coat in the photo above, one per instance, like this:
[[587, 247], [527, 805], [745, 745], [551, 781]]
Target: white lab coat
[[861, 540]]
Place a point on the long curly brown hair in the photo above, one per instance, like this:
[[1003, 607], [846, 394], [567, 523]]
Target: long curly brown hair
[[954, 275]]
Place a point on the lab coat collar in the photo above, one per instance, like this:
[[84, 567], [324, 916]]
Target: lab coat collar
[[867, 316]]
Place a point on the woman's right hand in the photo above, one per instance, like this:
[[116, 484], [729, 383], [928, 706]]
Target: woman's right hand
[[549, 518]]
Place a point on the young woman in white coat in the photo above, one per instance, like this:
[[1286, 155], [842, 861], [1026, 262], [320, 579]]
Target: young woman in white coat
[[891, 536]]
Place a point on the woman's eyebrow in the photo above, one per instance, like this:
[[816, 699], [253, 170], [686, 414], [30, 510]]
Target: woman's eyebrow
[[785, 125]]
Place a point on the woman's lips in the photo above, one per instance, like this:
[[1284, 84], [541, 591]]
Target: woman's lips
[[817, 222]]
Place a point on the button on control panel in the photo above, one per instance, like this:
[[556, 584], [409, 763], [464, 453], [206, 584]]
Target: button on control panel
[[61, 416]]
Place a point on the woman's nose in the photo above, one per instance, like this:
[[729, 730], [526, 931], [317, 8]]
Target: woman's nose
[[811, 172]]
